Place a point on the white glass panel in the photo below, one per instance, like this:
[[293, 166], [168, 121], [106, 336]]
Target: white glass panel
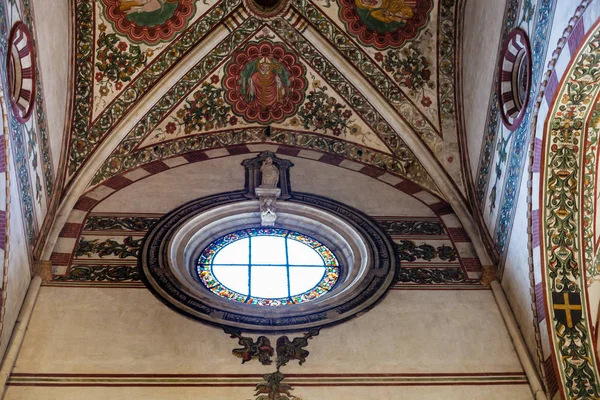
[[304, 278], [269, 282], [232, 277], [234, 253], [301, 254], [268, 250]]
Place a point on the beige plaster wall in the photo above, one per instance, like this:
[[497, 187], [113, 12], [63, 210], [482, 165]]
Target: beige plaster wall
[[51, 19], [512, 392], [481, 36], [354, 189], [18, 277], [516, 279], [128, 331], [164, 191]]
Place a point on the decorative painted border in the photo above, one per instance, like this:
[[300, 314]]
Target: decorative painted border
[[572, 37], [150, 35], [19, 150], [520, 137], [381, 40], [562, 168], [488, 145], [5, 206], [249, 380]]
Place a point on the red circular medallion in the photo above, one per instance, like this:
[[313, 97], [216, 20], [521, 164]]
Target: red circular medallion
[[384, 23], [264, 82], [149, 21]]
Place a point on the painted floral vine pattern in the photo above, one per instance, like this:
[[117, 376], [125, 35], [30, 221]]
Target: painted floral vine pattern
[[101, 223], [108, 247], [589, 206], [422, 276], [410, 69], [322, 112], [408, 250], [117, 61], [412, 227], [101, 273], [206, 110], [564, 269], [86, 137]]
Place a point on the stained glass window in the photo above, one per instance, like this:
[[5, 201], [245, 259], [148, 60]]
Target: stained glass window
[[268, 267]]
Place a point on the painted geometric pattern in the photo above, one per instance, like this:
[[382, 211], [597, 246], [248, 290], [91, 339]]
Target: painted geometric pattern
[[563, 235], [324, 111]]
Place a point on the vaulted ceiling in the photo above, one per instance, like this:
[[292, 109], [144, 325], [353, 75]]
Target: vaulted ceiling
[[368, 81]]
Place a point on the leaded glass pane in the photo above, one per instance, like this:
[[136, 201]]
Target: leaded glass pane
[[234, 276], [300, 254], [269, 282], [268, 267], [233, 253], [304, 278], [268, 250]]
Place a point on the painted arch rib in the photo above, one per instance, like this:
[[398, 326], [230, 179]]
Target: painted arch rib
[[565, 154]]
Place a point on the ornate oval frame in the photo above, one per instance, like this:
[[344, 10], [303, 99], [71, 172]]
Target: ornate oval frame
[[368, 265], [20, 48], [515, 51]]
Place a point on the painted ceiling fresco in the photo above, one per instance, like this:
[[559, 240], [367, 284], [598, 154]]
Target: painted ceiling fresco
[[249, 72]]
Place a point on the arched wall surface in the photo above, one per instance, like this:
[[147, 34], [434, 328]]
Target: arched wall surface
[[481, 28], [52, 46], [165, 191], [182, 179], [14, 257], [554, 154]]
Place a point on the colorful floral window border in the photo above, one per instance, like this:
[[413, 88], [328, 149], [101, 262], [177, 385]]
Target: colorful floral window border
[[327, 282]]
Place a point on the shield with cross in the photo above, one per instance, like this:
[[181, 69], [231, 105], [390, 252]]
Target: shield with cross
[[567, 308]]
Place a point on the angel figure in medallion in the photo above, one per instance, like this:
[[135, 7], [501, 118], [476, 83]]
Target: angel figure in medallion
[[264, 82], [137, 6], [387, 11]]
